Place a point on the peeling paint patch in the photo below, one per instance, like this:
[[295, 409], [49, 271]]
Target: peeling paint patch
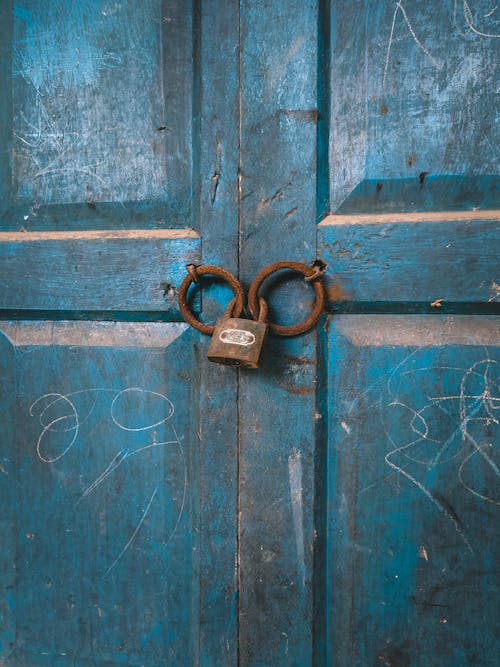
[[422, 552]]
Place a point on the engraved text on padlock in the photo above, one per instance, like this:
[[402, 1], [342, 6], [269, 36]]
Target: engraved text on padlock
[[237, 342]]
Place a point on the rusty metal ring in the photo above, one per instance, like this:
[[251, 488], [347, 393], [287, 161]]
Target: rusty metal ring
[[208, 270], [307, 272]]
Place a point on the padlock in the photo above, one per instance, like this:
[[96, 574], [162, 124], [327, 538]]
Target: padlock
[[238, 342]]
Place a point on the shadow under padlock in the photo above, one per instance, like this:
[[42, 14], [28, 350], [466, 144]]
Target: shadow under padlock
[[238, 342]]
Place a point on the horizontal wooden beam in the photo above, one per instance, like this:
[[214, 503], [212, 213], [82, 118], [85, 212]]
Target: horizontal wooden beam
[[132, 270], [433, 258]]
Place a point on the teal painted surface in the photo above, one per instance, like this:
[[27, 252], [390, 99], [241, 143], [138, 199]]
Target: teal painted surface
[[413, 91], [411, 490], [131, 271], [276, 426], [423, 192], [103, 102], [416, 260], [249, 122], [99, 469], [130, 551]]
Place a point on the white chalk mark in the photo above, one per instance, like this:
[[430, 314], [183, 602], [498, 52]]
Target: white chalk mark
[[132, 538], [425, 491], [389, 45], [378, 382], [112, 466], [399, 7], [154, 444], [54, 400], [474, 405], [469, 20], [466, 486], [140, 391], [48, 428], [491, 12], [122, 456], [295, 481], [184, 490], [60, 397]]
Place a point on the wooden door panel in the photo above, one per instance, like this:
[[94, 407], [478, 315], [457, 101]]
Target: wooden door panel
[[100, 478], [412, 106], [411, 492], [96, 114]]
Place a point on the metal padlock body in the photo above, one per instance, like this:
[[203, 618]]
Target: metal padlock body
[[237, 342]]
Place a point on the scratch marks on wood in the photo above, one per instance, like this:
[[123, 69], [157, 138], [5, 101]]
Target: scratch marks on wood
[[91, 122], [470, 21], [136, 530], [295, 481], [423, 553], [291, 212], [494, 292], [429, 431], [399, 7], [61, 417]]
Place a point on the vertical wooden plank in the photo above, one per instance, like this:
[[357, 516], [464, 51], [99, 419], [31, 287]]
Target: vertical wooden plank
[[8, 526], [276, 432], [5, 104], [216, 166]]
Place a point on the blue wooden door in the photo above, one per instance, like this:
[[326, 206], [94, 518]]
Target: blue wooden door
[[339, 506], [118, 533]]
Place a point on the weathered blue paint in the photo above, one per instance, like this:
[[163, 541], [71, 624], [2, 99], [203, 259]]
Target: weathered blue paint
[[423, 192], [412, 92], [216, 159], [248, 122], [103, 103], [113, 554], [411, 490], [103, 552], [412, 257], [276, 427], [95, 271]]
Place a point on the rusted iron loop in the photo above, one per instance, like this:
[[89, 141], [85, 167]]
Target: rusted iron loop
[[319, 268], [307, 272], [235, 308], [193, 272], [230, 309], [263, 309]]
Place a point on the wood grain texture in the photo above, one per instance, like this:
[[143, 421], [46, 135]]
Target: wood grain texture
[[412, 93], [103, 102], [99, 499], [411, 491], [123, 113], [412, 258], [216, 168], [95, 271], [276, 429]]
